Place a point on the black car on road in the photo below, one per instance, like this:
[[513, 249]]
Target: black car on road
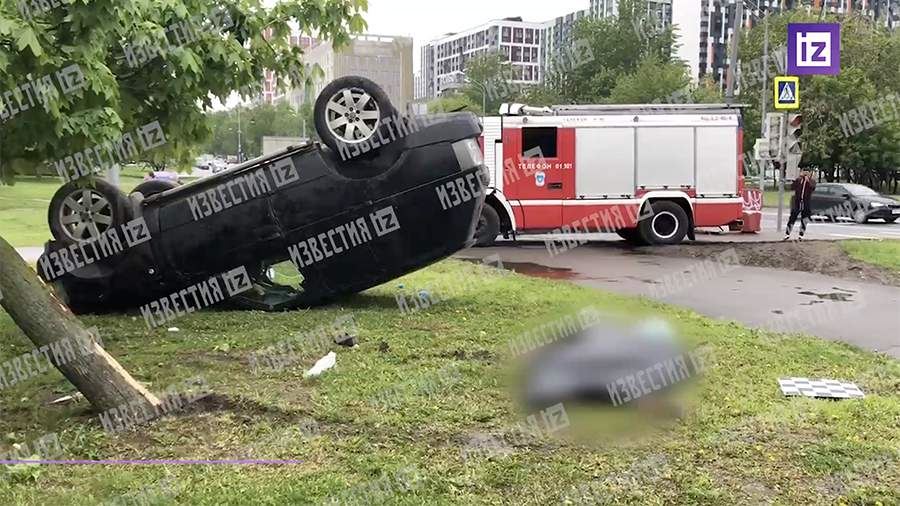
[[411, 196], [857, 202]]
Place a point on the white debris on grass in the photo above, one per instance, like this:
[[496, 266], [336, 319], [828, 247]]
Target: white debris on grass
[[322, 365]]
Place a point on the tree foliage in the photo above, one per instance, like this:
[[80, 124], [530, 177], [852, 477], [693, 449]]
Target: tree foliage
[[863, 93], [453, 102], [255, 122], [488, 82], [142, 61]]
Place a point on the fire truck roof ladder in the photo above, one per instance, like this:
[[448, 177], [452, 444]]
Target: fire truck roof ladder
[[581, 110]]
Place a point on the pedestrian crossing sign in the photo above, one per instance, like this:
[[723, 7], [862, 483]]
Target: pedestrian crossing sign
[[787, 93]]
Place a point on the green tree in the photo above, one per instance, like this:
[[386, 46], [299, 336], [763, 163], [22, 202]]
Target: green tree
[[452, 102], [488, 82], [114, 66], [255, 122], [653, 81], [870, 76], [137, 64], [609, 48]]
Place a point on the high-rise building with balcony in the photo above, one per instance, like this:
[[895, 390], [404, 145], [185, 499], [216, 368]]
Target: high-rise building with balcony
[[443, 60]]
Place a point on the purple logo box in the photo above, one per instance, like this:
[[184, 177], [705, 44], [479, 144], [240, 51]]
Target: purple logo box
[[814, 48]]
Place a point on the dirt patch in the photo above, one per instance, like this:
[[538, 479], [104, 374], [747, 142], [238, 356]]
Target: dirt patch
[[822, 257]]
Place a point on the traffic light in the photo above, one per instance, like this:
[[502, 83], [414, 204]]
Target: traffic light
[[774, 128], [793, 150], [793, 134]]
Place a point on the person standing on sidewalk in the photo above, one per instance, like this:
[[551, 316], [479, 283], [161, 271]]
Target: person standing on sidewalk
[[803, 188]]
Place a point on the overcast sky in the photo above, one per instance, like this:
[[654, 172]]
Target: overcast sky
[[425, 20]]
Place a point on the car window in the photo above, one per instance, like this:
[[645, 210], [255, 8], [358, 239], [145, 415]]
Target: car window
[[860, 190], [823, 190]]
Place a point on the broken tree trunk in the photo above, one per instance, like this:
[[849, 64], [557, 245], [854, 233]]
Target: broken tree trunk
[[47, 321]]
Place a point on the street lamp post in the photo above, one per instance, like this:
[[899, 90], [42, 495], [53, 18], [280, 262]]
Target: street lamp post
[[762, 99], [240, 150]]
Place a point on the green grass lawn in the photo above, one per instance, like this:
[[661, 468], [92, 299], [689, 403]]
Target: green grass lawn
[[23, 207], [741, 442], [882, 253]]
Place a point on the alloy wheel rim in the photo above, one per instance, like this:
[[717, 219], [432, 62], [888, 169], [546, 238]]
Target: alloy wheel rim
[[352, 115], [85, 215]]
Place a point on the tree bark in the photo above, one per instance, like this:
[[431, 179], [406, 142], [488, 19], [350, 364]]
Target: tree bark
[[47, 321]]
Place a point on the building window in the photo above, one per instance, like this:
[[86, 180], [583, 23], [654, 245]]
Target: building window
[[516, 54], [529, 36], [517, 35], [539, 142], [534, 54], [529, 73], [506, 32]]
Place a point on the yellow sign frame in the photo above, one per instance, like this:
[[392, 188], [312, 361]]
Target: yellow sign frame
[[792, 105]]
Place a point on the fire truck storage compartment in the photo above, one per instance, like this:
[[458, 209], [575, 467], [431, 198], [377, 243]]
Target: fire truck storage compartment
[[604, 162], [717, 158], [665, 157]]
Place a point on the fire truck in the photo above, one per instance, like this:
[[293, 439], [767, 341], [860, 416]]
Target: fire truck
[[651, 173]]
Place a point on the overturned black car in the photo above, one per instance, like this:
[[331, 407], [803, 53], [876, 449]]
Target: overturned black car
[[388, 195]]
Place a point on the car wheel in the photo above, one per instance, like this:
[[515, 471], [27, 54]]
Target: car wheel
[[81, 214], [667, 225], [349, 112], [860, 216], [892, 219], [153, 187], [488, 227]]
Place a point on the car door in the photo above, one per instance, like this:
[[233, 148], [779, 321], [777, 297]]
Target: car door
[[821, 199], [543, 175]]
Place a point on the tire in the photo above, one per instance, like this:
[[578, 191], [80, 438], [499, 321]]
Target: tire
[[860, 217], [488, 227], [667, 225], [72, 222], [153, 187], [332, 106], [892, 219], [630, 235]]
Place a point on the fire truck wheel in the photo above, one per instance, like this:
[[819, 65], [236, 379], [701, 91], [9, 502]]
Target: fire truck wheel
[[668, 225], [349, 112], [630, 234], [488, 227]]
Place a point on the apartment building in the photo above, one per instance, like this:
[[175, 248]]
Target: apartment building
[[443, 60], [659, 10], [270, 92], [557, 37], [385, 59]]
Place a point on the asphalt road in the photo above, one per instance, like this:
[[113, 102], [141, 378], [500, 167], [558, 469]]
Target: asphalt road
[[844, 229], [863, 314]]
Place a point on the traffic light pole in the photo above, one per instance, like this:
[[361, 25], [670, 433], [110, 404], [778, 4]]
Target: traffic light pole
[[781, 174], [780, 166], [762, 101]]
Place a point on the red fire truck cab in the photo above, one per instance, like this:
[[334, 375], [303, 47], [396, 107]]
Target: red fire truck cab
[[651, 173]]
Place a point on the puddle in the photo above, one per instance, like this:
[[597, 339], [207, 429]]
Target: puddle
[[537, 270], [834, 296]]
